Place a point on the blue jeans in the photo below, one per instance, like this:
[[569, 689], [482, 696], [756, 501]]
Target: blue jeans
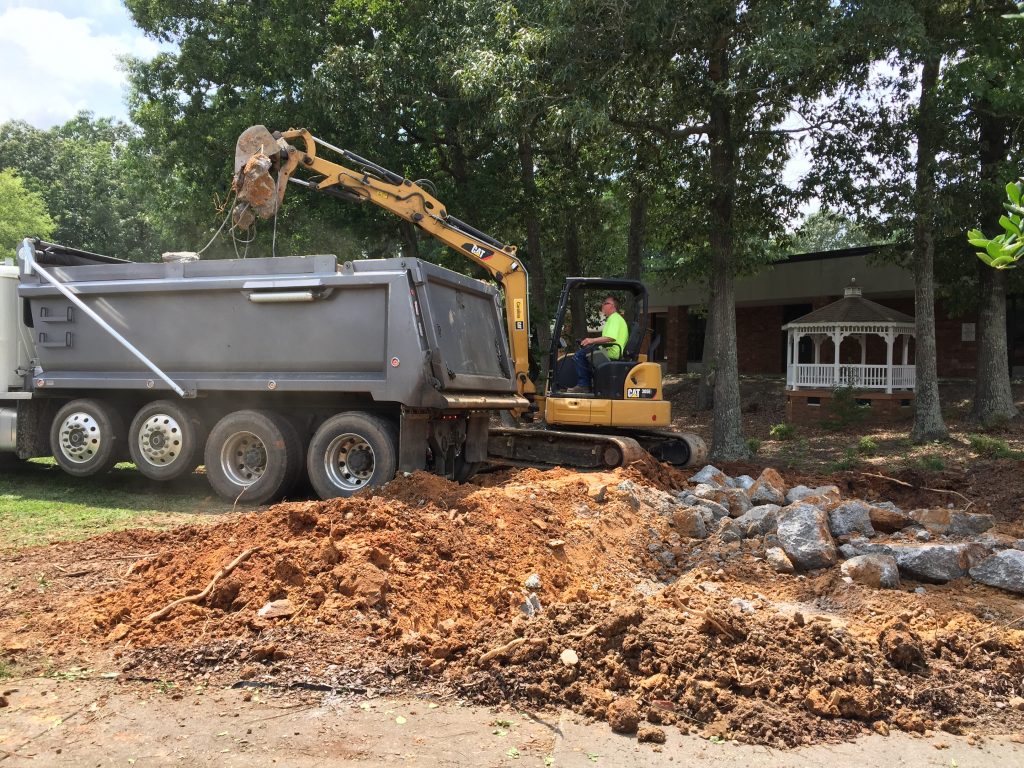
[[584, 371]]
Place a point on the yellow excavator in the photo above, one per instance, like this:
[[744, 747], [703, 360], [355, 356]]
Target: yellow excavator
[[624, 415]]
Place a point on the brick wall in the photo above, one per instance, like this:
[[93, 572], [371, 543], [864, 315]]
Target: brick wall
[[759, 344]]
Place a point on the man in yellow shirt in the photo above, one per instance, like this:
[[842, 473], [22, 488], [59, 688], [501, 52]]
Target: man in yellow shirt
[[614, 333]]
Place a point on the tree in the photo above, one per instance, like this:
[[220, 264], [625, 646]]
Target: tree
[[22, 214], [826, 230]]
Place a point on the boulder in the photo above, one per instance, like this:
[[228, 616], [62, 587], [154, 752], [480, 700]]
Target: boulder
[[777, 559], [876, 571], [689, 523], [824, 493], [1004, 570], [887, 517], [728, 531], [769, 488], [743, 482], [850, 517], [712, 476], [758, 521], [804, 537], [945, 522], [937, 563]]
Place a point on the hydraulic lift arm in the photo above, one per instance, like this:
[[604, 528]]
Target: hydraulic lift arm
[[265, 162]]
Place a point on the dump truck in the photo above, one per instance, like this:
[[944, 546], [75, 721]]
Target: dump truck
[[267, 370]]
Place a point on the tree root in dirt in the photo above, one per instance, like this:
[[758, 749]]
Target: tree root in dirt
[[209, 587]]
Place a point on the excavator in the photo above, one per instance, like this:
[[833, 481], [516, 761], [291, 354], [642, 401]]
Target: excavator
[[623, 417]]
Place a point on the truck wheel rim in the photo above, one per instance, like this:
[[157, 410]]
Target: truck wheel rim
[[349, 462], [160, 440], [243, 458], [80, 438]]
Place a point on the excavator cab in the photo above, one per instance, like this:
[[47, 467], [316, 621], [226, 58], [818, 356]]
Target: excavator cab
[[627, 391]]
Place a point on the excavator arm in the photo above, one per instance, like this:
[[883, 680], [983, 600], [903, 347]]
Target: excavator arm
[[266, 162]]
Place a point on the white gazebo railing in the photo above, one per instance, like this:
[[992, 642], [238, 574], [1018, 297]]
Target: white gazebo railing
[[830, 376]]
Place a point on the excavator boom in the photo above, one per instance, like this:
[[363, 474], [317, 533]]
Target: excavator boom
[[266, 162]]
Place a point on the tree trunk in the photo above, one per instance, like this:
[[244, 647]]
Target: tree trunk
[[637, 233], [410, 245], [534, 262], [706, 385], [727, 443], [993, 398], [928, 423]]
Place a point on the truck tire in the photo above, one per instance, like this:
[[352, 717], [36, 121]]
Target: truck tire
[[87, 437], [166, 440], [350, 452], [253, 456]]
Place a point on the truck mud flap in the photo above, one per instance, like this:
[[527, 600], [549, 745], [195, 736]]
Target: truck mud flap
[[548, 448]]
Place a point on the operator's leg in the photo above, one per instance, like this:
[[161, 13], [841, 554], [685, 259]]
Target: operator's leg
[[583, 371]]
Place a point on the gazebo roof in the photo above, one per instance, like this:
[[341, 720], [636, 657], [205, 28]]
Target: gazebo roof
[[853, 308]]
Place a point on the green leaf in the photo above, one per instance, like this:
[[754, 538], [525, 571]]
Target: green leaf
[[513, 753], [1009, 225], [1013, 192]]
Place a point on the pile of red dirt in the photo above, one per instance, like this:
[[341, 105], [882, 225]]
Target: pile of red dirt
[[547, 588]]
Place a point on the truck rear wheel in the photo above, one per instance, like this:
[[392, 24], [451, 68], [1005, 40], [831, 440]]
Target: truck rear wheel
[[349, 452], [166, 440], [87, 437], [253, 456]]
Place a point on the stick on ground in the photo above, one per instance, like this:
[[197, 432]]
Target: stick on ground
[[209, 587]]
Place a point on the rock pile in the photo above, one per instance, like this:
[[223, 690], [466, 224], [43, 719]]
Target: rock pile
[[799, 529]]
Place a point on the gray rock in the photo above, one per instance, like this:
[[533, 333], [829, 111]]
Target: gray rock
[[707, 491], [532, 582], [737, 501], [994, 542], [777, 559], [769, 488], [922, 535], [532, 605], [758, 521], [877, 571], [729, 531], [801, 492], [886, 516], [743, 482], [848, 550], [803, 533], [969, 524], [937, 562], [850, 517], [743, 606], [1019, 544], [711, 475], [717, 510], [689, 522], [1004, 570]]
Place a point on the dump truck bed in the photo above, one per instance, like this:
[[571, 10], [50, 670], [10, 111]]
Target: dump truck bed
[[401, 330]]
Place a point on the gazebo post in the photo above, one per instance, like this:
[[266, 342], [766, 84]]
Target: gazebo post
[[837, 339], [890, 340]]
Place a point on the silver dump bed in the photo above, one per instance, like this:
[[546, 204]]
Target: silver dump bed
[[400, 330]]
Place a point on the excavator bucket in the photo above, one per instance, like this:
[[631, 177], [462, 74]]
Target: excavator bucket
[[258, 191]]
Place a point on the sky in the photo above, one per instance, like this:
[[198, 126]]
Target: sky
[[58, 57]]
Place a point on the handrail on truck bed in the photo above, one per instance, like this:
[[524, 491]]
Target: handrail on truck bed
[[27, 254]]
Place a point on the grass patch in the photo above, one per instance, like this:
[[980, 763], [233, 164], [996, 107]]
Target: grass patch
[[993, 448], [40, 504], [930, 462], [782, 431], [6, 670]]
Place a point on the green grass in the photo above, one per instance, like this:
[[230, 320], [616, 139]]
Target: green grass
[[40, 504]]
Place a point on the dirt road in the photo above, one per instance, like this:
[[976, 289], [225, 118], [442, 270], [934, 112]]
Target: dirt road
[[99, 722]]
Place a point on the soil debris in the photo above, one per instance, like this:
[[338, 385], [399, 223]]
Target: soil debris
[[421, 584]]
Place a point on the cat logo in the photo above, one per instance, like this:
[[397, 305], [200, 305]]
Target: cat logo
[[635, 393], [478, 251]]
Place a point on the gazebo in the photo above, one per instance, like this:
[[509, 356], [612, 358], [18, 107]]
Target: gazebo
[[822, 352]]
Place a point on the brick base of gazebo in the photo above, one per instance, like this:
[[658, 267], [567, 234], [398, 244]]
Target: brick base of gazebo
[[813, 406]]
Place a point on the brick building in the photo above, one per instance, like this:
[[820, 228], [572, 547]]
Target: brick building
[[801, 284]]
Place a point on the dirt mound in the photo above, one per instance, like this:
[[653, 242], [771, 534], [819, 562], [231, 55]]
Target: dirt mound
[[553, 588]]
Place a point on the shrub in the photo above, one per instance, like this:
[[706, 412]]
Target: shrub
[[843, 409], [781, 431], [867, 446], [849, 461], [930, 462], [753, 445], [993, 448]]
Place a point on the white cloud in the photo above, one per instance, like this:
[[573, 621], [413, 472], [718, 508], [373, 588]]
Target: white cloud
[[52, 65]]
